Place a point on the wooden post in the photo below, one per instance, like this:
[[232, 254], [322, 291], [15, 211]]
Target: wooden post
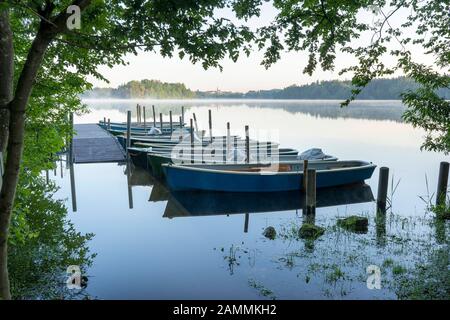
[[192, 142], [154, 116], [441, 193], [311, 191], [109, 124], [181, 129], [224, 150], [171, 124], [247, 145], [161, 122], [128, 133], [305, 176], [182, 115], [383, 181], [210, 125], [145, 120], [234, 155], [228, 139], [137, 113], [195, 123]]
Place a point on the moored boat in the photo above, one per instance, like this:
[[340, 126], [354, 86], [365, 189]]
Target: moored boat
[[155, 160], [264, 178]]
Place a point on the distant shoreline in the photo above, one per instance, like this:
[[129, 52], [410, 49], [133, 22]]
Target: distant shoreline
[[228, 99], [377, 89]]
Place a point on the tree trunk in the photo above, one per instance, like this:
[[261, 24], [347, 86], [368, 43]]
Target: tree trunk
[[6, 75], [15, 149], [16, 126], [6, 87]]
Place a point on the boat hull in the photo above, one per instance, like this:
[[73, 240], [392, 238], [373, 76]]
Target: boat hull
[[181, 178]]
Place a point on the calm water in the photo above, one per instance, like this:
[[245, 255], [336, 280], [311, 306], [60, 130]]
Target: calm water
[[208, 247]]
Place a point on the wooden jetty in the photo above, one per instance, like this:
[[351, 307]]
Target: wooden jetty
[[92, 144]]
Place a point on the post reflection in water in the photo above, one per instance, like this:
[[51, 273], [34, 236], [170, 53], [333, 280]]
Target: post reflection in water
[[130, 189], [72, 186], [246, 221], [188, 204]]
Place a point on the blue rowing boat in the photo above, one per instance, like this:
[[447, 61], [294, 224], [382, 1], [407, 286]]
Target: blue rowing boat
[[264, 178]]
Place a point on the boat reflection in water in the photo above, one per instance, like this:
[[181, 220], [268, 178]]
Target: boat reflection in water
[[185, 204]]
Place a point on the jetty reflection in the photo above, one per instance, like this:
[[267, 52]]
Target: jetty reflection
[[187, 204]]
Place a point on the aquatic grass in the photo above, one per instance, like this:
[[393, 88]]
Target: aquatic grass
[[390, 198], [441, 211], [337, 263], [263, 291]]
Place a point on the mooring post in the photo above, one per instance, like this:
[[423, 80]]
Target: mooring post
[[305, 176], [181, 129], [104, 122], [137, 113], [441, 193], [145, 120], [128, 133], [224, 149], [210, 125], [383, 181], [247, 145], [228, 139], [154, 116], [161, 121], [171, 124], [311, 191], [192, 141], [182, 115], [109, 124], [235, 153], [195, 122]]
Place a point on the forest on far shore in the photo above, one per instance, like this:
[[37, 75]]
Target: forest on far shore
[[378, 89]]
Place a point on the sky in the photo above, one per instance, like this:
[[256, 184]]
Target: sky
[[244, 75]]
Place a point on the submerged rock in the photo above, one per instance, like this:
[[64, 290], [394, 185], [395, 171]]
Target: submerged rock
[[270, 233], [310, 231], [354, 223]]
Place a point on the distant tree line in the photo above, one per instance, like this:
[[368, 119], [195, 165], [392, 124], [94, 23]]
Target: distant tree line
[[378, 89], [143, 89]]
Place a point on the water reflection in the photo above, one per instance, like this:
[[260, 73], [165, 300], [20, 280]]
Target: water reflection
[[185, 204], [362, 109]]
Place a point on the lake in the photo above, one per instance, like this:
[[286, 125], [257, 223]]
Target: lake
[[212, 247]]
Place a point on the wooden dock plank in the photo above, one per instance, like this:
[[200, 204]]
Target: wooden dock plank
[[92, 144]]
